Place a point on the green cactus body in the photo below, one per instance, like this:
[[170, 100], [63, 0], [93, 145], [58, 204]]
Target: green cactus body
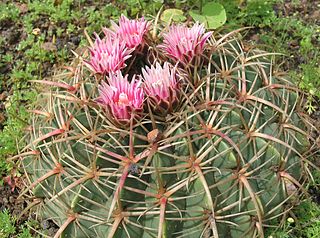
[[217, 166]]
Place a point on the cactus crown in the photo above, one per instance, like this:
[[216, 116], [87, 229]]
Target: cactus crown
[[212, 145]]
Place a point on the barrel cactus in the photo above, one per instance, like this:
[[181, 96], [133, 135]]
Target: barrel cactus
[[166, 131]]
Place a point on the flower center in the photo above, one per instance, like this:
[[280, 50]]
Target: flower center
[[183, 40], [123, 99], [157, 83], [135, 34]]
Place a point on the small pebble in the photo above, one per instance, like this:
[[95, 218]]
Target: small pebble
[[45, 224]]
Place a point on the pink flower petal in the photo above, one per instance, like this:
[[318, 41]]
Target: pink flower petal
[[108, 55], [159, 81], [183, 43], [129, 31], [120, 96]]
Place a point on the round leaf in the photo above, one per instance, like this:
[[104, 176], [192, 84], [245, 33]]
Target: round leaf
[[213, 15], [173, 14]]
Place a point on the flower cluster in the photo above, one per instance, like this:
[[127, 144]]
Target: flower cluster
[[109, 54], [122, 97]]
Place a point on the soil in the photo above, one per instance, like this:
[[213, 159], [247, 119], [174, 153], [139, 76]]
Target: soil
[[9, 201], [14, 33], [306, 10]]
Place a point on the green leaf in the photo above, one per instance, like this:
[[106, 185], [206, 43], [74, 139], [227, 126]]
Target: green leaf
[[173, 14], [213, 15]]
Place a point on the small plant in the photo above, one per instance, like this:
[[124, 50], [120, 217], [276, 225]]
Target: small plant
[[25, 233], [8, 12], [310, 83], [196, 137], [7, 227]]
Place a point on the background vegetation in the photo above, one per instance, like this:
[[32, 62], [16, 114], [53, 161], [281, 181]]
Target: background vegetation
[[36, 37]]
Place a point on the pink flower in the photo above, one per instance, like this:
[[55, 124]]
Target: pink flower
[[120, 96], [129, 31], [183, 43], [160, 82], [161, 86], [108, 55]]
